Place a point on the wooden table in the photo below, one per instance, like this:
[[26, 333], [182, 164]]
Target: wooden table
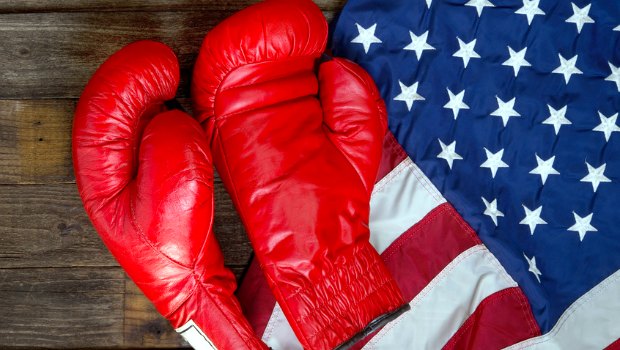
[[59, 286]]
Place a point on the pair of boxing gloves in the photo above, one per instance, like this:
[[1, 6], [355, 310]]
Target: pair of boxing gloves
[[297, 151]]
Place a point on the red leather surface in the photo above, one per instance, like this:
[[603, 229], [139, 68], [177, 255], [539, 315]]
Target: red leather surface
[[299, 151], [146, 180]]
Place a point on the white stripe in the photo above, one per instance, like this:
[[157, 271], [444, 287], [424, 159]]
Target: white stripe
[[591, 322], [400, 200], [445, 303], [195, 336], [279, 334]]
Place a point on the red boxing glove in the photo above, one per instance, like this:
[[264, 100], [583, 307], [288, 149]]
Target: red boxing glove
[[146, 180], [299, 156]]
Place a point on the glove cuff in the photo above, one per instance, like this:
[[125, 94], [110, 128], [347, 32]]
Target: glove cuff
[[212, 319], [356, 296]]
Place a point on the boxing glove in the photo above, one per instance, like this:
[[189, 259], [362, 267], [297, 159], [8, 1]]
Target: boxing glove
[[299, 155], [146, 180]]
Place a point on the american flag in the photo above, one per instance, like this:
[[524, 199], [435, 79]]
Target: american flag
[[499, 216]]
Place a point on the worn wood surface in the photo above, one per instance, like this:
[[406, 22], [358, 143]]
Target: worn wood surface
[[52, 55], [59, 286], [12, 6]]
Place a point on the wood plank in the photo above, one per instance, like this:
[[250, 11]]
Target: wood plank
[[56, 308], [46, 226], [79, 307], [59, 286], [52, 55], [35, 141], [31, 6], [11, 6], [142, 325]]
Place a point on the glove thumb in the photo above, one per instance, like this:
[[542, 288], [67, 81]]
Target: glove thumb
[[354, 115]]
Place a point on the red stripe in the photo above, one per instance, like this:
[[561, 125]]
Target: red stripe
[[614, 346], [415, 258], [256, 298], [392, 155], [423, 251], [501, 320]]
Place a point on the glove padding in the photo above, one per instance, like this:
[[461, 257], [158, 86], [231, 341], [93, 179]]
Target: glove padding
[[146, 179], [299, 156]]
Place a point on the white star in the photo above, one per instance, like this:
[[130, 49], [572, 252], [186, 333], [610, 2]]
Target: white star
[[530, 9], [544, 168], [615, 74], [580, 16], [448, 152], [491, 210], [607, 125], [418, 44], [408, 94], [557, 118], [533, 269], [596, 175], [617, 29], [456, 103], [479, 5], [366, 37], [532, 218], [516, 60], [582, 225], [567, 67], [428, 3], [494, 161], [505, 110], [466, 51]]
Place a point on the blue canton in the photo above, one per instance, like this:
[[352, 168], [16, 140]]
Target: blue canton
[[510, 107]]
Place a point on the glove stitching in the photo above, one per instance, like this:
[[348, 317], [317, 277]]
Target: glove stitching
[[138, 228], [328, 279], [357, 302], [225, 314], [275, 287], [370, 185], [391, 176], [360, 301]]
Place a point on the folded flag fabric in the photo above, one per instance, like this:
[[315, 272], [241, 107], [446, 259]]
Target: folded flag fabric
[[500, 218]]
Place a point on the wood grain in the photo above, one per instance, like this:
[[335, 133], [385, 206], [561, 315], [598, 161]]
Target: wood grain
[[74, 307], [59, 286], [46, 226], [142, 325], [52, 55], [78, 307], [11, 6], [35, 141]]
